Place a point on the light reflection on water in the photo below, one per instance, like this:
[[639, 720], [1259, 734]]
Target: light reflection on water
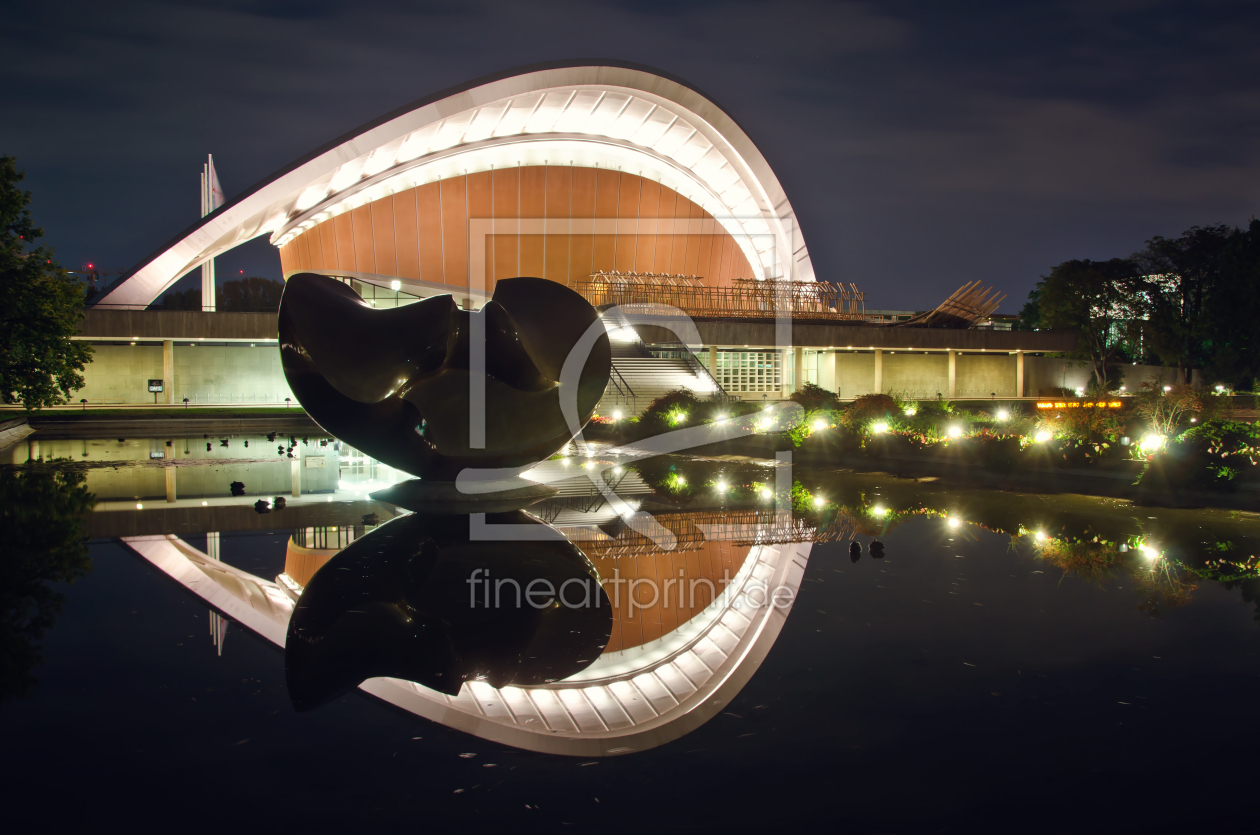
[[195, 472], [1039, 638]]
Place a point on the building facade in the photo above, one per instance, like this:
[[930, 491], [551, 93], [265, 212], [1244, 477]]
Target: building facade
[[565, 172]]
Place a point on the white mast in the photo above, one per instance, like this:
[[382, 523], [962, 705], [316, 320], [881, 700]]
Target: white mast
[[209, 202]]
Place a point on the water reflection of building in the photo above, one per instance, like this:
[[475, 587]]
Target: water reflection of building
[[183, 475], [664, 589], [309, 548], [669, 668]]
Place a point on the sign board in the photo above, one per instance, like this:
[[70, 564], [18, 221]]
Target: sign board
[[155, 385], [315, 463], [1076, 404]]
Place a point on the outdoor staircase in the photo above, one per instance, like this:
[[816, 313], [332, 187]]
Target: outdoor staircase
[[638, 378]]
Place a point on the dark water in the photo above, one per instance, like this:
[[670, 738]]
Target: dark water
[[960, 684]]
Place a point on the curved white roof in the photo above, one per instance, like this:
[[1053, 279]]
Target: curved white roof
[[608, 116]]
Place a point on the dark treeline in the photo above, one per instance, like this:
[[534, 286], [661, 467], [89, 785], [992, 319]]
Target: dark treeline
[[240, 295], [1187, 302]]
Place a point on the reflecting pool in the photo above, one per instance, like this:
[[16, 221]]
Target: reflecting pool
[[670, 641]]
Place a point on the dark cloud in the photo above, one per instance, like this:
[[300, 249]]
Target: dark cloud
[[923, 144]]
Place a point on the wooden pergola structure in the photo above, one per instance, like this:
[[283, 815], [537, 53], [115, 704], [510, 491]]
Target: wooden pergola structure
[[967, 306], [743, 299]]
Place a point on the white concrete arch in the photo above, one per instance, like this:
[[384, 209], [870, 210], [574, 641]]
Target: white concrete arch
[[608, 116]]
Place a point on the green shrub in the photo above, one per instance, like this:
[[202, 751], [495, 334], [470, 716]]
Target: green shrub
[[672, 410], [813, 397], [1209, 456], [869, 408]]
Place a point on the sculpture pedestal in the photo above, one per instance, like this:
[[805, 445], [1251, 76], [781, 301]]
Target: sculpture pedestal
[[443, 497]]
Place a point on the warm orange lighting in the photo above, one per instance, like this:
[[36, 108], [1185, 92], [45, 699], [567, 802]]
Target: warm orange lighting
[[1061, 404]]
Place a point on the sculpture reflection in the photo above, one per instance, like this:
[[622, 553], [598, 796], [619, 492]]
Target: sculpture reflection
[[417, 599], [397, 384]]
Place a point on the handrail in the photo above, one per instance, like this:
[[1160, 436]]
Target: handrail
[[622, 387], [697, 367]]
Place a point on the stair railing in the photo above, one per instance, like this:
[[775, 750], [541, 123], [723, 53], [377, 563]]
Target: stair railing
[[698, 368]]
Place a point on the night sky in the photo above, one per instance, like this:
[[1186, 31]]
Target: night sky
[[923, 144]]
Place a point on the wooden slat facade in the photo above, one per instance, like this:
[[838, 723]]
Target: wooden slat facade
[[423, 233]]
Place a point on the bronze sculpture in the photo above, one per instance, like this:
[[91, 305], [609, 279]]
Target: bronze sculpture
[[397, 384], [419, 599]]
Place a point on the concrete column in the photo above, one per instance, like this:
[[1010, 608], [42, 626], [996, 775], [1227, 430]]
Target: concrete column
[[212, 545], [170, 484], [1019, 373], [953, 374], [32, 450], [878, 388], [713, 361], [168, 370], [798, 370], [295, 476]]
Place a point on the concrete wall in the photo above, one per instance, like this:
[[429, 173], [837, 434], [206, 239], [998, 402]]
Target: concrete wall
[[1044, 373], [917, 375], [204, 374], [981, 376], [762, 334], [176, 324], [855, 373], [923, 376]]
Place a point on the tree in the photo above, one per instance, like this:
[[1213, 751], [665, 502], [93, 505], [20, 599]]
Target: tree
[[182, 300], [1230, 313], [1030, 314], [250, 294], [40, 308], [1105, 301], [44, 532], [1183, 275]]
